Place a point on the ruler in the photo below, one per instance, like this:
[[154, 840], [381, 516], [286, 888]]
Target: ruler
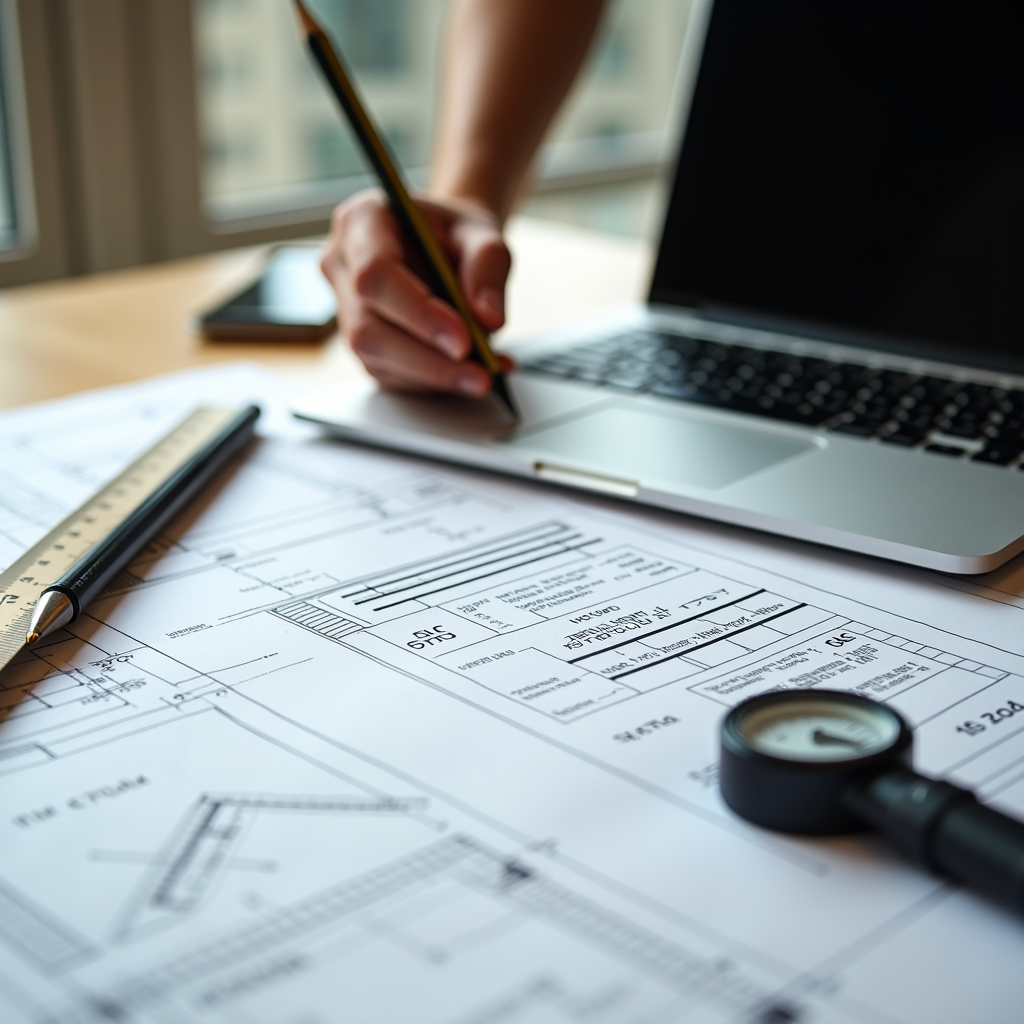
[[23, 582]]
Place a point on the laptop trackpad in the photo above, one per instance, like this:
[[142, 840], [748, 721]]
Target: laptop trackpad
[[649, 447]]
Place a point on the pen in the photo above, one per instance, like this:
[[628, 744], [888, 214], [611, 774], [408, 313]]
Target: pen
[[441, 276], [62, 602]]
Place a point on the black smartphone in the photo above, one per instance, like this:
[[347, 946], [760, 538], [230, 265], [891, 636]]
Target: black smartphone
[[289, 301]]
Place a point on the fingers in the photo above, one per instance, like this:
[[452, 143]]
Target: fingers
[[408, 338], [484, 262], [371, 256], [403, 363], [395, 293]]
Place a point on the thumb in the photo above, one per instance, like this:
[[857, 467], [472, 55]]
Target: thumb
[[484, 263]]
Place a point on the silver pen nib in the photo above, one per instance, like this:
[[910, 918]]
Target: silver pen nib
[[52, 611]]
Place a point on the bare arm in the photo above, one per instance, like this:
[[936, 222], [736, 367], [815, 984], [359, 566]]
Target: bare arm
[[508, 65]]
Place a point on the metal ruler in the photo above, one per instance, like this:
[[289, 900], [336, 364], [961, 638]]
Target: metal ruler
[[40, 566]]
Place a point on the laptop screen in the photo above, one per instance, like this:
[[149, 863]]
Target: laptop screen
[[855, 169]]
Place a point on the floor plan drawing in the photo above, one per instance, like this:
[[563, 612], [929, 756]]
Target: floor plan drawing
[[403, 891], [363, 738]]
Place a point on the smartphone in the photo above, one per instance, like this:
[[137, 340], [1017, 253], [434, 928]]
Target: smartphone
[[289, 301]]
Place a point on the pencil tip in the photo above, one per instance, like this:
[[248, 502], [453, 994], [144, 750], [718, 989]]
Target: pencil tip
[[500, 387], [306, 19], [31, 638]]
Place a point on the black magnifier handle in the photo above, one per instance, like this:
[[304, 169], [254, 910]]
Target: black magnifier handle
[[946, 829]]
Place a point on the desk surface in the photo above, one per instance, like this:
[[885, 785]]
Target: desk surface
[[67, 336], [88, 332]]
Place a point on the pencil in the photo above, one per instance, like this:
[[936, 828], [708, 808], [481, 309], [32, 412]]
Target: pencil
[[438, 270], [63, 600]]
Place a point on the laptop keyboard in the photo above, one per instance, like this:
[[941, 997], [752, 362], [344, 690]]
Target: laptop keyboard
[[954, 418]]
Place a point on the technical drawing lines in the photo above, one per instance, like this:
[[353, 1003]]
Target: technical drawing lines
[[682, 970], [468, 565], [539, 997], [469, 863], [317, 620], [23, 755], [38, 935], [295, 922], [186, 869]]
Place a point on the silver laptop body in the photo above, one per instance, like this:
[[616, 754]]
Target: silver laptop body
[[856, 429]]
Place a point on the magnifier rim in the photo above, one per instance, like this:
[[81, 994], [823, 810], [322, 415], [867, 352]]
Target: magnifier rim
[[738, 744]]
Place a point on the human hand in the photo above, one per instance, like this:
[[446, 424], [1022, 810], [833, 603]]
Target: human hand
[[406, 337]]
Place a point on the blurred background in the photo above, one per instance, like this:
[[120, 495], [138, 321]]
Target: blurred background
[[133, 131]]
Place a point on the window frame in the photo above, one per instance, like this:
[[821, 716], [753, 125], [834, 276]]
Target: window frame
[[40, 251]]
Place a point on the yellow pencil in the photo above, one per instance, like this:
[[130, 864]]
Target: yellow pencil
[[441, 276]]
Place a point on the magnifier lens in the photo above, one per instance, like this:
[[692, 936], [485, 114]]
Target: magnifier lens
[[818, 730]]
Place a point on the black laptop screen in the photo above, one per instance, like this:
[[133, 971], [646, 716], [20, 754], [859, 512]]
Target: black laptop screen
[[857, 167]]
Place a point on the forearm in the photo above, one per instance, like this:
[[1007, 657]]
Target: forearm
[[508, 65]]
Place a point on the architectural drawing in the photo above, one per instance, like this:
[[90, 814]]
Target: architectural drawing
[[188, 866], [356, 719]]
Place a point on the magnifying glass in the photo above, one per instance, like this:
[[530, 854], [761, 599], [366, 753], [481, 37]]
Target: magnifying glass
[[827, 762]]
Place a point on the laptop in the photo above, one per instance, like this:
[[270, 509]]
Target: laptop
[[833, 344]]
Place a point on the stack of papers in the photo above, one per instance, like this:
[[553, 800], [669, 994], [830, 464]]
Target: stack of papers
[[363, 738]]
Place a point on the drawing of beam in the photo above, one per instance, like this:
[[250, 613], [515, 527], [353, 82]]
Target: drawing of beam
[[38, 935], [186, 869]]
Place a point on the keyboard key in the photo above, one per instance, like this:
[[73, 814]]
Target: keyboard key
[[963, 426], [996, 456], [946, 449], [905, 438], [627, 381], [859, 427], [668, 389]]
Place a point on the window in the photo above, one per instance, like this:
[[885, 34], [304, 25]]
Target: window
[[297, 152], [17, 232], [142, 130]]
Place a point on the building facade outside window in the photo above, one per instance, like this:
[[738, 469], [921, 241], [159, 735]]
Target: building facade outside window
[[141, 130]]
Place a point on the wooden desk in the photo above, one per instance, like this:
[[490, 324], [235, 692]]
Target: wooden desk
[[56, 339], [63, 337]]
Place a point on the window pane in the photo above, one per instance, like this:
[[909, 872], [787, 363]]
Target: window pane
[[273, 139], [10, 229], [619, 110], [8, 222], [272, 136]]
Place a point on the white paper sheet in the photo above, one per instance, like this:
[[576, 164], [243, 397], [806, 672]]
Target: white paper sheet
[[367, 739]]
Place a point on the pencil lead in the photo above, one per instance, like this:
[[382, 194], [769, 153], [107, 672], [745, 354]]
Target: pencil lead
[[499, 385], [306, 20]]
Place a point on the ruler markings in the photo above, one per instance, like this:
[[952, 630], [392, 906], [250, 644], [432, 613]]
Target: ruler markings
[[23, 581]]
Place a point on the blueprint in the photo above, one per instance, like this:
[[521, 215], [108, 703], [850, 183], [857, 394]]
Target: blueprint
[[362, 738]]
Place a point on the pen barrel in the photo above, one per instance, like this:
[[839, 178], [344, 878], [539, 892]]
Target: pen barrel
[[945, 828], [94, 570]]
